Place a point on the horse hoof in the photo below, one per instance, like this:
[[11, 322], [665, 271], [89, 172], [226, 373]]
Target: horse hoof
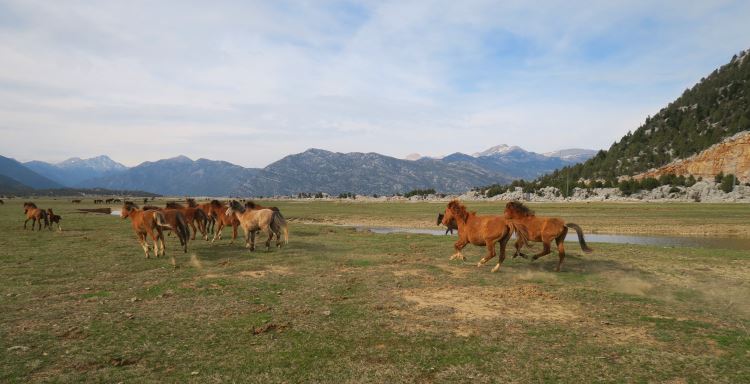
[[497, 268]]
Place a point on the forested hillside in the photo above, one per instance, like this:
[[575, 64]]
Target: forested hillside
[[715, 108]]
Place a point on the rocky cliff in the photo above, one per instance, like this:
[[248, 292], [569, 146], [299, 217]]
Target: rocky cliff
[[729, 156]]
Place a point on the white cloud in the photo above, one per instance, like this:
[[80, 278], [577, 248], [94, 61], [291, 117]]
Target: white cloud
[[249, 82]]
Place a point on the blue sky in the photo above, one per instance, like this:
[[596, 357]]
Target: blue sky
[[250, 82]]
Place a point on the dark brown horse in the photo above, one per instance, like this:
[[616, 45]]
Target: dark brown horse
[[147, 222], [193, 216], [53, 219], [34, 214], [543, 229], [451, 225], [176, 221], [218, 211], [480, 230], [206, 208]]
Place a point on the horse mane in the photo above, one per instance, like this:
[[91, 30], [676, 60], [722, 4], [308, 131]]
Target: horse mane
[[216, 204], [191, 202], [29, 204], [175, 205], [236, 206], [150, 207], [518, 208], [458, 210], [251, 205], [130, 205]]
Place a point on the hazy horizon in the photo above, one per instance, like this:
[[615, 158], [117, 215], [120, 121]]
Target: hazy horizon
[[250, 83]]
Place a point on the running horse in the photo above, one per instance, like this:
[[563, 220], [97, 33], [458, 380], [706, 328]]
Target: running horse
[[147, 222], [252, 220], [543, 229], [34, 214], [193, 216], [206, 208], [218, 210], [176, 221], [481, 231]]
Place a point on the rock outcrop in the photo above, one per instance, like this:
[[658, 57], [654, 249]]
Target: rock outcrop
[[730, 156]]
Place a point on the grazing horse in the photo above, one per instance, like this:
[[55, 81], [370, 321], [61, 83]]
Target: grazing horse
[[218, 212], [53, 219], [480, 230], [192, 215], [451, 225], [543, 229], [253, 220], [76, 201], [34, 214], [147, 222]]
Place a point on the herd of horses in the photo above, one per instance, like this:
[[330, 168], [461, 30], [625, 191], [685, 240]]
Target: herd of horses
[[186, 221], [152, 221], [488, 230]]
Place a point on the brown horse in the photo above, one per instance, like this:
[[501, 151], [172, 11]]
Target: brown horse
[[480, 230], [34, 214], [147, 222], [543, 229], [176, 221], [451, 225], [193, 216], [206, 208], [53, 219], [254, 220], [218, 212]]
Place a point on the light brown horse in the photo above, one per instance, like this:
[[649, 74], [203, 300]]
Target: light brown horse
[[543, 229], [34, 214], [193, 216], [218, 212], [253, 220], [150, 222], [480, 230], [176, 221], [53, 219]]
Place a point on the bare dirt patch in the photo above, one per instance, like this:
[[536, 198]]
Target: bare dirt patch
[[272, 270], [463, 305]]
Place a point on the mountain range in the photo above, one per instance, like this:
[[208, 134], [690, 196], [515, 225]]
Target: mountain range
[[314, 170]]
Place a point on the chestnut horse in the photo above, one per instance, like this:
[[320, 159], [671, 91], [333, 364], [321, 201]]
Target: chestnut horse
[[543, 229], [264, 219], [206, 208], [53, 219], [147, 222], [34, 214], [192, 215], [480, 230], [218, 212], [176, 221], [451, 225]]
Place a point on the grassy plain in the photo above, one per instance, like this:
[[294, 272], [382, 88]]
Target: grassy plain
[[337, 305]]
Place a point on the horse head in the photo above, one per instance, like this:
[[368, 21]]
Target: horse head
[[455, 211], [234, 205], [127, 207], [440, 218]]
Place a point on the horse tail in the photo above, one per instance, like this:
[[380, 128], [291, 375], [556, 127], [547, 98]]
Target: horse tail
[[183, 230], [160, 220], [280, 222], [581, 240]]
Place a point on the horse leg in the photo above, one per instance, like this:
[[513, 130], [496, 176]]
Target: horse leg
[[268, 240], [545, 251], [192, 225], [144, 243], [503, 243], [217, 234], [247, 237], [234, 233], [560, 240], [26, 221], [490, 253], [458, 246], [252, 240]]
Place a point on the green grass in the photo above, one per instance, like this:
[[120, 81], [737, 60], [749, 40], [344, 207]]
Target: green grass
[[337, 305]]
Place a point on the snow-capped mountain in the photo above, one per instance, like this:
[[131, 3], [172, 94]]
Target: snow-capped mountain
[[73, 171]]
